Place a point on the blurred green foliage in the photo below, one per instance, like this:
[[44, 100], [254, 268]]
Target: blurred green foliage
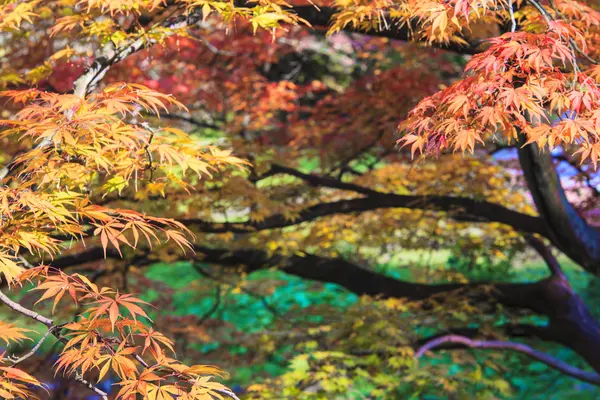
[[294, 296]]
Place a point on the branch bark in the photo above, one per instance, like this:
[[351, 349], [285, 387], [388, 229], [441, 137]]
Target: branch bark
[[568, 230], [570, 322], [459, 208], [323, 18], [547, 256], [547, 359]]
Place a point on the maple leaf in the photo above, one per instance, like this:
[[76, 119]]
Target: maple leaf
[[56, 286], [111, 306], [119, 361], [113, 232], [23, 11], [9, 268], [154, 340], [163, 392], [12, 333], [140, 385]]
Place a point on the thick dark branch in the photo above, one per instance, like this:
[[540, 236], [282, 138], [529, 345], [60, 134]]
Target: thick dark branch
[[564, 226], [318, 180], [459, 208], [323, 18], [571, 324], [547, 359], [357, 279], [191, 120]]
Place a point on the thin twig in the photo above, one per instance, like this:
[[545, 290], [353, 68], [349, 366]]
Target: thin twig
[[227, 393], [141, 360], [214, 307], [27, 264], [35, 348], [262, 299], [52, 329], [79, 378]]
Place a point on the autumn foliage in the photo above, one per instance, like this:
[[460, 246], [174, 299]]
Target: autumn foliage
[[93, 160]]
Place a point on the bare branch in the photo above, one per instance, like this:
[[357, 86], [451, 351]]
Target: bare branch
[[79, 378], [458, 208], [53, 329], [511, 12], [590, 377], [25, 311], [35, 348], [141, 360], [227, 393], [111, 55]]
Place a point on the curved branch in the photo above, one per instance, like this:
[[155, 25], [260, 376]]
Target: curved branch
[[571, 324], [590, 377], [459, 208], [576, 166], [36, 347], [111, 54], [191, 120]]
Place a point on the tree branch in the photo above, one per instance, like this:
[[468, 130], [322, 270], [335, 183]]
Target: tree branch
[[36, 347], [565, 228], [51, 329], [323, 17], [575, 165], [570, 322], [459, 208], [191, 120], [547, 255], [111, 54], [25, 311], [590, 377]]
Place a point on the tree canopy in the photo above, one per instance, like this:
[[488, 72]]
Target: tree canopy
[[240, 183]]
